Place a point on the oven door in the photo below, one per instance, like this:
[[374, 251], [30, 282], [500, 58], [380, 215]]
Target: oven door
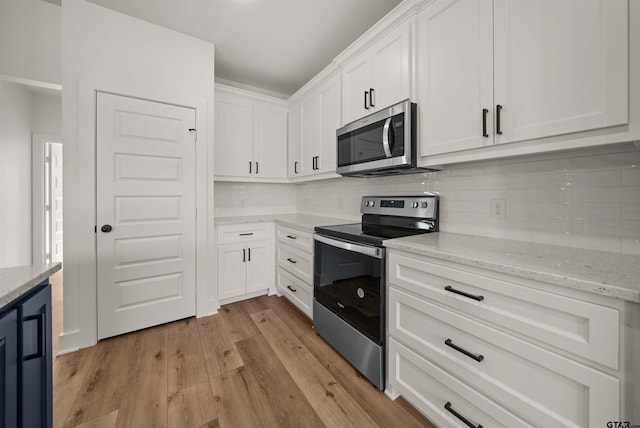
[[349, 281]]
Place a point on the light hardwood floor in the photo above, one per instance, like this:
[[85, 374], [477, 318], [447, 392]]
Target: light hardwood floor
[[257, 363]]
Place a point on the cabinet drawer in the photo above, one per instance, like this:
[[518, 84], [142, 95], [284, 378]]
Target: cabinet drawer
[[244, 232], [429, 389], [299, 293], [296, 238], [537, 384], [296, 262], [585, 329]]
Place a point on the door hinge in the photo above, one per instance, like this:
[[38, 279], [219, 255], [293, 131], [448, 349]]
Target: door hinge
[[196, 213], [47, 207], [47, 159]]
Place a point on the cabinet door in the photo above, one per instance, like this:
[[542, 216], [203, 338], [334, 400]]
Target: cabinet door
[[259, 266], [310, 132], [390, 68], [37, 387], [233, 136], [270, 141], [329, 110], [560, 67], [293, 143], [355, 81], [232, 276], [9, 368], [455, 76]]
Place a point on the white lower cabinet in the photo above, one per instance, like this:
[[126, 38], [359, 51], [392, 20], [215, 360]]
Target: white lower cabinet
[[246, 262], [490, 356], [294, 259]]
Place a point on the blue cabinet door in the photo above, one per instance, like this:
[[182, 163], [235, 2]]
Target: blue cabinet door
[[36, 397], [9, 368]]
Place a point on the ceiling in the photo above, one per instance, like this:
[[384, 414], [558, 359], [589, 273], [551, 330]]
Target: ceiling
[[274, 45]]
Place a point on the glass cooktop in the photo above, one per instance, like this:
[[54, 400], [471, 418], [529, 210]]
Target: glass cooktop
[[367, 233]]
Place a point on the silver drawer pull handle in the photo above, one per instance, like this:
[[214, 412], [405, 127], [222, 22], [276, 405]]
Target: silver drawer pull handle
[[464, 420], [291, 288], [477, 357], [462, 293], [291, 237], [292, 261]]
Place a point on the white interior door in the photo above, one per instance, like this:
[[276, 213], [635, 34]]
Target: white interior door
[[54, 229], [145, 186]]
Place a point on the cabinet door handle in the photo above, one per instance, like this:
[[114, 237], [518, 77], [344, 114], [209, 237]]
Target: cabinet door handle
[[257, 167], [291, 237], [365, 100], [464, 420], [246, 234], [291, 288], [462, 293], [295, 167], [244, 255], [484, 122], [477, 357], [371, 94], [498, 125], [250, 167], [292, 261], [39, 318], [249, 252]]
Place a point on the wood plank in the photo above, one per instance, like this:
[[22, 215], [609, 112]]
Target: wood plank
[[106, 421], [192, 406], [377, 405], [285, 399], [326, 395], [241, 401], [295, 320], [69, 373], [144, 400], [186, 363], [220, 352], [101, 390], [236, 316]]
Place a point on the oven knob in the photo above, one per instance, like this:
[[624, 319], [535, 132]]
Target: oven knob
[[414, 205], [371, 203], [425, 204]]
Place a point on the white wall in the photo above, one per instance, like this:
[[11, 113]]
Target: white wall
[[15, 175], [30, 40], [47, 114], [234, 199], [588, 199], [105, 50]]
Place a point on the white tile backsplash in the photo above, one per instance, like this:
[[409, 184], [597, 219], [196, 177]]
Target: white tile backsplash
[[234, 199], [588, 199]]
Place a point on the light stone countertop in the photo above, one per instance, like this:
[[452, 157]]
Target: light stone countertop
[[301, 221], [608, 274], [16, 281]]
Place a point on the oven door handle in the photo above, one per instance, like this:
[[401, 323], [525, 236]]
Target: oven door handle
[[375, 252]]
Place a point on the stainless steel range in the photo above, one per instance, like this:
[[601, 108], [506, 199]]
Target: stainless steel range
[[349, 290]]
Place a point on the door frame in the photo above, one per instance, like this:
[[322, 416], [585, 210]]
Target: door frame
[[80, 292], [38, 154]]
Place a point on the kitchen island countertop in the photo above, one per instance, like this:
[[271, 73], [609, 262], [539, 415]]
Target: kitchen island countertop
[[608, 274], [16, 281]]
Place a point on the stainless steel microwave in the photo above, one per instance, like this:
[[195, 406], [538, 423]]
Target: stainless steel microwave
[[383, 143]]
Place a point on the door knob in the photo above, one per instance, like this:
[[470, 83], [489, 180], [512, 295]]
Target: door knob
[[106, 228]]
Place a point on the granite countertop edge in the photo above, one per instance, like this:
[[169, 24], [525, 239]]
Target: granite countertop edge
[[623, 287], [19, 280], [305, 222]]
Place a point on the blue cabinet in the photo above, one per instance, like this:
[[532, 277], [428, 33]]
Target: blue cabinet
[[25, 360]]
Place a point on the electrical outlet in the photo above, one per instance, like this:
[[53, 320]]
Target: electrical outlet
[[498, 208]]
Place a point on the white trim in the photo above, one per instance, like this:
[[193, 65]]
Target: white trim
[[80, 316], [38, 154]]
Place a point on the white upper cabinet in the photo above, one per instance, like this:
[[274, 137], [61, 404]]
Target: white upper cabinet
[[250, 136], [507, 71], [378, 77], [314, 119]]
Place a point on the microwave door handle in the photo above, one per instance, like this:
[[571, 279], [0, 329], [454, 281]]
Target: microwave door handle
[[385, 138]]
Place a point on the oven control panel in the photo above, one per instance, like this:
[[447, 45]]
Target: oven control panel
[[424, 206]]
